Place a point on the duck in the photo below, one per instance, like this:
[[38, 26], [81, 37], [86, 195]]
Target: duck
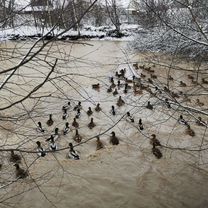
[[20, 173], [113, 85], [199, 103], [182, 84], [78, 106], [142, 66], [53, 145], [129, 117], [109, 90], [182, 121], [115, 92], [170, 78], [75, 123], [111, 80], [137, 91], [113, 112], [66, 128], [91, 125], [15, 158], [50, 120], [72, 153], [204, 81], [120, 102], [190, 77], [98, 108], [118, 84], [156, 152], [143, 75], [65, 114], [96, 86], [66, 106], [77, 137], [40, 128], [153, 76], [78, 114], [1, 166], [141, 127], [190, 131], [113, 139], [199, 122], [56, 134], [149, 106], [123, 72], [40, 151], [167, 103], [150, 81], [154, 141], [135, 65], [99, 143], [118, 74], [89, 112]]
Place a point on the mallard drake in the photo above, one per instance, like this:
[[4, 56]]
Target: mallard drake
[[149, 106], [109, 90], [65, 114], [91, 125], [20, 173], [78, 106], [113, 139], [66, 128], [66, 106], [50, 120], [111, 80], [182, 121], [129, 117], [199, 103], [156, 152], [99, 143], [190, 131], [72, 153], [56, 134], [53, 146], [154, 141], [141, 127], [98, 108], [77, 137], [96, 86], [40, 128], [89, 112], [113, 112], [120, 101], [40, 151], [15, 158], [78, 114], [199, 122], [182, 84], [115, 92], [75, 123]]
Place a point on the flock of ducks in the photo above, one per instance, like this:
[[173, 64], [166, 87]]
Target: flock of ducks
[[122, 82]]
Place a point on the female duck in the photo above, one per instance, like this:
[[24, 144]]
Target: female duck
[[98, 108], [99, 144], [15, 158], [50, 121], [91, 125], [77, 137], [75, 123], [20, 173]]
